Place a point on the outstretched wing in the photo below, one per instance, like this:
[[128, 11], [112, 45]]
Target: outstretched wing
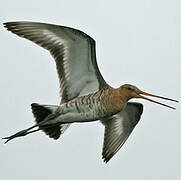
[[74, 54], [118, 128], [75, 57]]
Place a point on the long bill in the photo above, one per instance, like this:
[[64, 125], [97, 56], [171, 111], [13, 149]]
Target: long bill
[[147, 94]]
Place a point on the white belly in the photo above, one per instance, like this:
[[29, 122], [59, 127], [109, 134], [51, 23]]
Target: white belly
[[84, 109], [79, 111]]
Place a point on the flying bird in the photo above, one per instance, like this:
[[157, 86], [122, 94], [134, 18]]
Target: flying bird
[[85, 95]]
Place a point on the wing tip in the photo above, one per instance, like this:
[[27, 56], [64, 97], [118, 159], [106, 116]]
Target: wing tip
[[13, 25], [6, 24], [106, 158], [10, 26]]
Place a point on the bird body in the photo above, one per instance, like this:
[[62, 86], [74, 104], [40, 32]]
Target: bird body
[[85, 95], [95, 106]]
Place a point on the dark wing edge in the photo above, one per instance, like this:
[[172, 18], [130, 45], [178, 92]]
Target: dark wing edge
[[118, 128], [102, 82], [53, 38]]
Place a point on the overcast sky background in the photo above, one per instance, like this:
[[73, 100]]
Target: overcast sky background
[[138, 42]]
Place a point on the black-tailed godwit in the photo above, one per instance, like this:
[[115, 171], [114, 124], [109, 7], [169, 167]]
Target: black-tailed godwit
[[85, 96]]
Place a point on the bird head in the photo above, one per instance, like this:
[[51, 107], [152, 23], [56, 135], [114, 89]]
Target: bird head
[[131, 91]]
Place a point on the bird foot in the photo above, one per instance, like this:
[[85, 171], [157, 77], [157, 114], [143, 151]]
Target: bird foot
[[18, 134]]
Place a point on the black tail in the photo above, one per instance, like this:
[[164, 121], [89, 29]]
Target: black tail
[[40, 112]]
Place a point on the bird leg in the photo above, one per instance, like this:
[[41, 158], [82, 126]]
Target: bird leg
[[21, 133], [44, 123]]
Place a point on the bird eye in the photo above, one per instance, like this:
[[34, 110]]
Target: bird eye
[[129, 88]]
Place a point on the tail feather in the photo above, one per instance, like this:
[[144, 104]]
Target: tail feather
[[40, 112]]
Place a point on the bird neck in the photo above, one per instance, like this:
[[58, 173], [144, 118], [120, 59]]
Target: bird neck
[[116, 100], [123, 95]]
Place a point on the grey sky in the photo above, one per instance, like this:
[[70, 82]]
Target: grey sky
[[138, 42]]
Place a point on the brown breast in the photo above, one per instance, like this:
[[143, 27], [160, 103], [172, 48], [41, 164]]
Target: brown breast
[[112, 101]]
